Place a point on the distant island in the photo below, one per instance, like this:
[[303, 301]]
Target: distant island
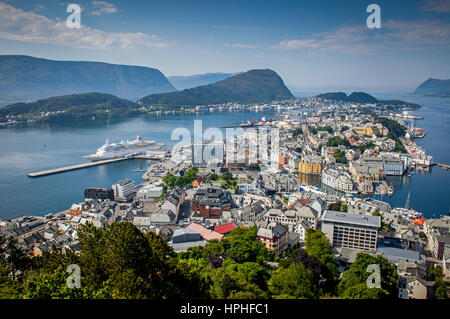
[[25, 78], [191, 81], [73, 106], [254, 86], [362, 97], [434, 87]]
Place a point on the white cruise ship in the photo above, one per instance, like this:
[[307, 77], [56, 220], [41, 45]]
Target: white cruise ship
[[123, 149]]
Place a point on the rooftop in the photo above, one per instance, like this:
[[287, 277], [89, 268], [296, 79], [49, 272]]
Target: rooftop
[[354, 219]]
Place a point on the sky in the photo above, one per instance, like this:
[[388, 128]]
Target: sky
[[315, 46]]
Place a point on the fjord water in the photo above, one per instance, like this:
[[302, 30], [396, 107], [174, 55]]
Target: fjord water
[[22, 151]]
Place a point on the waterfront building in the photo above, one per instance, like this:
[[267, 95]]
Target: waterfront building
[[124, 190], [351, 230], [310, 164], [337, 179]]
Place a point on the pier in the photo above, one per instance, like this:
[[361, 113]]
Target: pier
[[90, 164], [444, 166], [75, 167]]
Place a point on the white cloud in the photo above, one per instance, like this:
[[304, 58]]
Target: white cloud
[[241, 45], [358, 39], [436, 6], [16, 24], [102, 8]]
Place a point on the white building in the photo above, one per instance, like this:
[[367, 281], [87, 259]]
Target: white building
[[124, 190]]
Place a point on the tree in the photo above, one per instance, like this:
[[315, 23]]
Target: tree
[[318, 245], [244, 245], [227, 176], [239, 281], [354, 280], [294, 282], [17, 261]]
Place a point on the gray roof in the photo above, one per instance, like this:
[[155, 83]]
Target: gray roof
[[354, 219], [395, 254]]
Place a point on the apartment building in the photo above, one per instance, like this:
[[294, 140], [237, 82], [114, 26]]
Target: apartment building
[[351, 230]]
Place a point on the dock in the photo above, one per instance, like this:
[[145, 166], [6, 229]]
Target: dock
[[444, 166], [90, 164], [74, 167]]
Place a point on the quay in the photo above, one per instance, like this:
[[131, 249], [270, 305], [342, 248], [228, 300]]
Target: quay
[[444, 166], [74, 167]]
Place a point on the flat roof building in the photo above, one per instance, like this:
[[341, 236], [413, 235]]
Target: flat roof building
[[351, 230]]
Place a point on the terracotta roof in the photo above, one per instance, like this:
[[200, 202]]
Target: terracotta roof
[[205, 233], [225, 228]]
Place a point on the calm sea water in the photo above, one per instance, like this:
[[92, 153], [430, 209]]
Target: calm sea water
[[22, 151]]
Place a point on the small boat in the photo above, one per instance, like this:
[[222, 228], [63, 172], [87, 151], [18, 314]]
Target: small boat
[[140, 170], [390, 191]]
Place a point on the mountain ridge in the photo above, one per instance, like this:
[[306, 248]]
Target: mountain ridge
[[182, 82], [434, 87], [254, 86], [27, 78]]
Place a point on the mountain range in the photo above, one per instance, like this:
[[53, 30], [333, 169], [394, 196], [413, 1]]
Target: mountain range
[[191, 81], [434, 87], [26, 78], [254, 86]]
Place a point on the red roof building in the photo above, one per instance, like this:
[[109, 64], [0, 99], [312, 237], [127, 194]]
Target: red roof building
[[225, 228]]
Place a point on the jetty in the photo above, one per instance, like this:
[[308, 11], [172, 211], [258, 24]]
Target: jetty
[[444, 166], [75, 167]]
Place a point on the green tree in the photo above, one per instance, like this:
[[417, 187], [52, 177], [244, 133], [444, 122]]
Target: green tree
[[294, 282], [354, 280]]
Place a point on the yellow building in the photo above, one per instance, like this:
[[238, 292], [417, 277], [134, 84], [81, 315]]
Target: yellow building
[[310, 165], [369, 129]]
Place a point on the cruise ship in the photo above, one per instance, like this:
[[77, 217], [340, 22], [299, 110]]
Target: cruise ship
[[123, 149]]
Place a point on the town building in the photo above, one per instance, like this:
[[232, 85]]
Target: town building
[[124, 190], [274, 236], [351, 230]]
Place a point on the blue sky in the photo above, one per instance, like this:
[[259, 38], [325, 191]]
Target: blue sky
[[313, 45]]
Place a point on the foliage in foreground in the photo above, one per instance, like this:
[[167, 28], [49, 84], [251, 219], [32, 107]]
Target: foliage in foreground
[[119, 261]]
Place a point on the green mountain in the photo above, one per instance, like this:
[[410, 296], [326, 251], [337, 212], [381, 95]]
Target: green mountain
[[362, 97], [191, 81], [434, 87], [25, 78], [75, 105], [255, 86], [357, 97]]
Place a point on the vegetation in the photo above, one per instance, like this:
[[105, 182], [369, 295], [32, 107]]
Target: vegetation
[[316, 129], [336, 141], [437, 275], [338, 207], [362, 148], [181, 181], [119, 261], [254, 86], [75, 106], [354, 280], [384, 227], [340, 156]]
